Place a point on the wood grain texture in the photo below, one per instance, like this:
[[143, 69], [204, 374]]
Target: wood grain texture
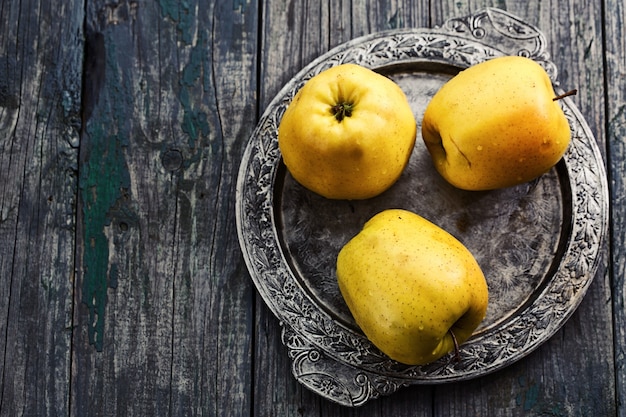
[[40, 73], [169, 332], [123, 291], [615, 53]]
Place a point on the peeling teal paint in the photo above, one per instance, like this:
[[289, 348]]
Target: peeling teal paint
[[529, 397], [395, 21], [181, 13], [169, 8], [103, 180], [195, 122], [239, 5]]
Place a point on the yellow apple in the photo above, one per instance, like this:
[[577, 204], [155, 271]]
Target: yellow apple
[[411, 287], [495, 125], [348, 133]]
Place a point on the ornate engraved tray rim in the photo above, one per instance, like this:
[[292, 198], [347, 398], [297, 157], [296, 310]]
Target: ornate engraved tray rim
[[342, 365]]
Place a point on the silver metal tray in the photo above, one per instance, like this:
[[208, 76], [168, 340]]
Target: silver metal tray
[[538, 243]]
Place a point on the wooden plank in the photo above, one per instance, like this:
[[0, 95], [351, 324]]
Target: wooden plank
[[169, 332], [565, 376], [615, 54], [291, 36], [294, 33], [40, 73], [547, 381]]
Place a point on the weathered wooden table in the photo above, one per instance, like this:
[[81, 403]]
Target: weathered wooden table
[[123, 290]]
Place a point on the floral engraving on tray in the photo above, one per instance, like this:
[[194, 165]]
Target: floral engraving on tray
[[341, 364], [505, 30]]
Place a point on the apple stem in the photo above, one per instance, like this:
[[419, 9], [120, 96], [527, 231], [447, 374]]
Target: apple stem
[[569, 93], [457, 355], [342, 110]]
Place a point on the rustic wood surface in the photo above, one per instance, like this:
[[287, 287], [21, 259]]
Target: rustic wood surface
[[123, 291]]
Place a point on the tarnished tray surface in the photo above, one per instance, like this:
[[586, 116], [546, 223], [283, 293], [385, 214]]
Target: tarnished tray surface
[[538, 243]]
